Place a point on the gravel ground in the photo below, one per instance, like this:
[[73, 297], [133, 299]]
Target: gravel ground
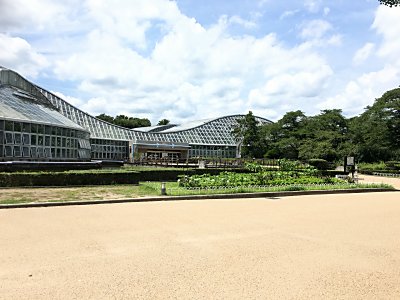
[[307, 247]]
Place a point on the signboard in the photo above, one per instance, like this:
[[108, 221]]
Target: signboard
[[350, 160]]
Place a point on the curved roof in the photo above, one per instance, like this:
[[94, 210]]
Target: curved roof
[[20, 101]]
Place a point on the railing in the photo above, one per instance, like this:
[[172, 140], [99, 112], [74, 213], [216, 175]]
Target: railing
[[208, 163], [386, 174]]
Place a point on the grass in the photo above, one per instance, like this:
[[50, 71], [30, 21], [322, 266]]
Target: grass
[[28, 195]]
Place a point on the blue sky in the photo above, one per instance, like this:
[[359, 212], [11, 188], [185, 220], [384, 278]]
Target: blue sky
[[188, 59]]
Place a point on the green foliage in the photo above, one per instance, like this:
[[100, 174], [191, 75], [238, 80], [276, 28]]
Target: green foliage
[[125, 121], [388, 166], [376, 132], [163, 122], [269, 178], [253, 167], [248, 134], [390, 3], [320, 164], [290, 172]]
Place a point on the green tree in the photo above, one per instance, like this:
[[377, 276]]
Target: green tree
[[284, 137], [376, 132], [163, 122], [326, 136], [390, 3], [106, 118], [247, 133]]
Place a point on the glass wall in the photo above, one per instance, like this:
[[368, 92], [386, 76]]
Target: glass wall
[[212, 151], [109, 149], [32, 141]]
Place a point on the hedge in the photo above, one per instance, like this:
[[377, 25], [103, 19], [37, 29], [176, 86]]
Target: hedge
[[105, 177], [80, 178]]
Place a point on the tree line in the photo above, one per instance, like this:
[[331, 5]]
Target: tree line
[[372, 136], [129, 122]]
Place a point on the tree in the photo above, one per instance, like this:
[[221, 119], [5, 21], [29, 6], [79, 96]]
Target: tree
[[163, 122], [106, 118], [247, 133], [376, 132], [326, 136], [125, 121], [390, 3]]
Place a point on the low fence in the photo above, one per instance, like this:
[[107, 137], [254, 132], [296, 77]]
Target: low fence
[[386, 174], [219, 163]]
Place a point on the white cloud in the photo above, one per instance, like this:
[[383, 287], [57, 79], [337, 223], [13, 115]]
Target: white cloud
[[71, 100], [245, 23], [148, 59], [315, 29], [363, 53], [362, 91], [17, 54], [313, 6], [326, 11], [288, 13], [387, 24]]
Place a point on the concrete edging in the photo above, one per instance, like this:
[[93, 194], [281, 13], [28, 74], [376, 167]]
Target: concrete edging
[[197, 197]]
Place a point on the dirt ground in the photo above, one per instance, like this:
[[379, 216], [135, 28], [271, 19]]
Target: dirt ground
[[307, 247]]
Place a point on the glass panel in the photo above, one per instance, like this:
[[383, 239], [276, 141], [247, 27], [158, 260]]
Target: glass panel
[[17, 151], [33, 139], [33, 152], [26, 139], [8, 151], [47, 140], [17, 138], [34, 128], [9, 138], [40, 128], [40, 140], [9, 126], [17, 126], [26, 152], [26, 127]]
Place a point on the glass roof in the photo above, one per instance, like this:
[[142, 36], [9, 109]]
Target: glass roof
[[16, 105]]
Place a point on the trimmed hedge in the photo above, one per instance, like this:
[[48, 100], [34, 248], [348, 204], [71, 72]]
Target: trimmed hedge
[[81, 178], [67, 179], [93, 178]]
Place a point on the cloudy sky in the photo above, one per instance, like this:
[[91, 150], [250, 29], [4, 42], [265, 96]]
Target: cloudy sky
[[190, 59]]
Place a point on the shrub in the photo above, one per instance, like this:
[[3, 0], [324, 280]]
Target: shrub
[[393, 165], [318, 163]]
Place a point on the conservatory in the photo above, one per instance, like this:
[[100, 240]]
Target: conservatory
[[37, 125]]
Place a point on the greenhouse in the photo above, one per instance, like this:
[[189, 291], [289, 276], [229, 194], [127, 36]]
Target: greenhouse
[[36, 125]]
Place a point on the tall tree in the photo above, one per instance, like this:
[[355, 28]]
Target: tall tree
[[326, 136], [376, 132], [390, 3], [163, 122], [106, 118], [247, 133], [284, 137]]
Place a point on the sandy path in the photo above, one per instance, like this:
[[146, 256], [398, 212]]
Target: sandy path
[[394, 181], [318, 247]]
